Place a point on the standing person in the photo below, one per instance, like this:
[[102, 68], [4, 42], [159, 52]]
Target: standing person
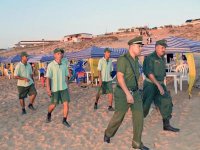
[[127, 96], [154, 87], [25, 84], [105, 80], [57, 88]]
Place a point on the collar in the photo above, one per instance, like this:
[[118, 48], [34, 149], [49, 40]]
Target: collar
[[155, 54], [57, 63], [106, 59], [23, 63], [129, 55]]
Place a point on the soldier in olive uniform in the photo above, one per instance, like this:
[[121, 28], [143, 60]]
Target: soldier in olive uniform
[[127, 96], [154, 87]]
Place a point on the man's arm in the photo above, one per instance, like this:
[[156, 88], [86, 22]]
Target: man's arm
[[153, 79], [100, 78], [48, 82], [21, 78], [120, 79]]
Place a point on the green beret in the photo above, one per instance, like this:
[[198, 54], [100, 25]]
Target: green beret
[[23, 54], [136, 40], [107, 50], [58, 50], [162, 43]]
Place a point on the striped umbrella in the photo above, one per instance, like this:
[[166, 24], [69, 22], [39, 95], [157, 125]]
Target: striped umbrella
[[175, 45]]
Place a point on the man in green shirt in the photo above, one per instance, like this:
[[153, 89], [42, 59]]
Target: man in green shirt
[[57, 88], [25, 85], [154, 87], [105, 80], [126, 95]]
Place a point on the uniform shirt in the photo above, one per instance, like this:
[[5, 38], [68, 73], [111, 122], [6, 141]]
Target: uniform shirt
[[57, 73], [105, 66], [24, 71], [124, 66], [155, 65]]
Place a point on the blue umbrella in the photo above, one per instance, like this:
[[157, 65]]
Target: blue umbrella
[[12, 59]]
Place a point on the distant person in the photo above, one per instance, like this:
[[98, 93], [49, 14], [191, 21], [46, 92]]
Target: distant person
[[57, 88], [42, 76], [184, 60], [105, 80], [25, 85]]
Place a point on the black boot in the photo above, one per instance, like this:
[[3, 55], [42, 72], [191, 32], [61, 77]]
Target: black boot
[[168, 127], [106, 139]]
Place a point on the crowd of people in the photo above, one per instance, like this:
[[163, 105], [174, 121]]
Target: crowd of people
[[126, 94]]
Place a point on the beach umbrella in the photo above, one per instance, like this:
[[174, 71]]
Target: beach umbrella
[[1, 59]]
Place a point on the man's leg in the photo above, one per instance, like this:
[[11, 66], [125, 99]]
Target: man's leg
[[165, 106], [148, 96], [32, 95], [97, 97], [22, 103], [137, 118], [114, 124], [65, 113], [110, 100], [50, 109]]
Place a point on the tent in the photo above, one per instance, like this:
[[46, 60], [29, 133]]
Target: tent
[[179, 45], [175, 45], [1, 59], [41, 58], [92, 52], [12, 59]]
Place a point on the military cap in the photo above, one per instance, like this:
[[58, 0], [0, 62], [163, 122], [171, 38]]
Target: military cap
[[58, 50], [162, 43], [23, 54], [107, 50], [136, 40]]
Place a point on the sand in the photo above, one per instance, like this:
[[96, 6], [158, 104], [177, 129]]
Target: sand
[[87, 126]]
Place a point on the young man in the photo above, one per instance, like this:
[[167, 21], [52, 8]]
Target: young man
[[127, 96], [25, 84], [57, 88], [154, 87], [105, 80]]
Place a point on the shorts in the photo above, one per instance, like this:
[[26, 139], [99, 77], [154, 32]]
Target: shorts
[[106, 88], [60, 97], [24, 91]]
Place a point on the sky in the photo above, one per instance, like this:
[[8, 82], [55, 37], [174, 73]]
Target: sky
[[53, 19]]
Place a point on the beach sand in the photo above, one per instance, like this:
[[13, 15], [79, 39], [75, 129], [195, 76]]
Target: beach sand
[[87, 126]]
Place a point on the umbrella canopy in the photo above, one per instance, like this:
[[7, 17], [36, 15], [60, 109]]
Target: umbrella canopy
[[41, 58], [2, 58], [12, 59], [92, 52], [175, 45], [121, 51]]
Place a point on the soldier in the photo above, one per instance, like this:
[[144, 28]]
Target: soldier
[[154, 87], [57, 88], [105, 80], [127, 96], [25, 84]]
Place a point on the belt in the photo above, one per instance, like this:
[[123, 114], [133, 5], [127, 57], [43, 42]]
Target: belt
[[130, 89]]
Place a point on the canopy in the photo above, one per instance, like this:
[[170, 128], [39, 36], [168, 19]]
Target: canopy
[[121, 51], [1, 59], [12, 59], [175, 45], [41, 58], [92, 52]]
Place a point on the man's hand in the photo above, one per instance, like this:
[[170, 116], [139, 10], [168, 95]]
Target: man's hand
[[130, 99], [160, 88], [49, 92], [26, 79]]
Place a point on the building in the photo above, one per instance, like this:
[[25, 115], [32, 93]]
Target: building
[[77, 37]]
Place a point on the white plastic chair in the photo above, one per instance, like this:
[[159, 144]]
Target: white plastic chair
[[184, 70]]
